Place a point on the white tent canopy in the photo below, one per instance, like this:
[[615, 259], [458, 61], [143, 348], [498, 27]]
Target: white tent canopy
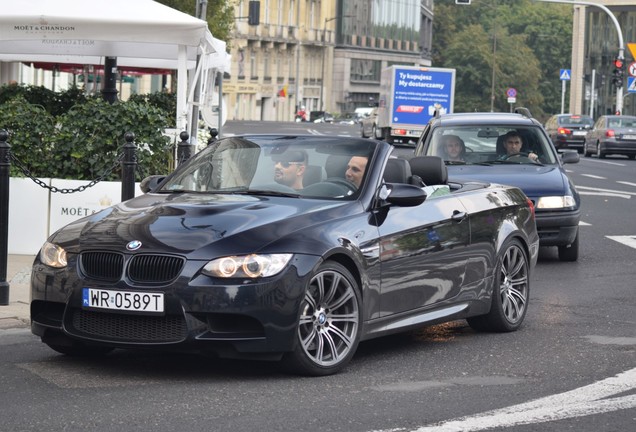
[[139, 33]]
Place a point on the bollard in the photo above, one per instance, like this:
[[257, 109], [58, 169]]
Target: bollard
[[128, 167], [5, 165], [183, 148], [214, 133]]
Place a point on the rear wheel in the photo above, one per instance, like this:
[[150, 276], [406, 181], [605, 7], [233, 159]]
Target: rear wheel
[[510, 292], [570, 253], [599, 152], [329, 325]]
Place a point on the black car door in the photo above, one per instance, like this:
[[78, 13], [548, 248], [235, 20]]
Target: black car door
[[422, 253]]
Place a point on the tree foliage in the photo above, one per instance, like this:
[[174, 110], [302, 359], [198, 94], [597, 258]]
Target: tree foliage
[[524, 42], [220, 15]]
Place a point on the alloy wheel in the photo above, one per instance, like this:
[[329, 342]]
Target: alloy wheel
[[513, 286], [329, 319]]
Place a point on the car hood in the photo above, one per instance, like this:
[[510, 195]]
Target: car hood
[[533, 180], [198, 224]]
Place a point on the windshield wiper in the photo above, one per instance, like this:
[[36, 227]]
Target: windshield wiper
[[266, 192]]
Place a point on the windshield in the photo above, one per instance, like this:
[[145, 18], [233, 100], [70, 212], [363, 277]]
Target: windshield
[[489, 144], [318, 167]]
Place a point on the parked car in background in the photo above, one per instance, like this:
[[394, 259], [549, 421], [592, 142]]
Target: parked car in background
[[320, 117], [569, 130], [363, 112], [221, 258], [369, 123], [544, 180], [612, 135], [347, 118]]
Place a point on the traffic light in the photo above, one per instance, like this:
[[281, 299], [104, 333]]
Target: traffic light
[[618, 72]]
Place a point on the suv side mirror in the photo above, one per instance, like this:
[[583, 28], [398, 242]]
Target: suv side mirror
[[570, 157]]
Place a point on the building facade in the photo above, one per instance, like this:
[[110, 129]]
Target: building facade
[[324, 55], [595, 45]]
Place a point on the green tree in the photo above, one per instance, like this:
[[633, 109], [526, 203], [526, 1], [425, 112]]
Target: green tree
[[533, 40], [220, 15]]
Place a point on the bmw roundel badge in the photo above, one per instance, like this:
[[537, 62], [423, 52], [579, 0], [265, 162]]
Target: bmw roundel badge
[[133, 245]]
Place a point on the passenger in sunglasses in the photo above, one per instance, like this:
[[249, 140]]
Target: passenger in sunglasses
[[289, 168]]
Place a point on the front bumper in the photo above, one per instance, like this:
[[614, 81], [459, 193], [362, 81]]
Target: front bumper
[[202, 314], [557, 228]]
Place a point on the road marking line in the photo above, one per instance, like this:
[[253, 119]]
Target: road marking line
[[582, 402], [605, 190], [626, 240], [626, 183], [581, 223], [605, 194], [594, 176], [604, 162]]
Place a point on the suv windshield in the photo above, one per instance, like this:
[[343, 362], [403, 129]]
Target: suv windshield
[[485, 144]]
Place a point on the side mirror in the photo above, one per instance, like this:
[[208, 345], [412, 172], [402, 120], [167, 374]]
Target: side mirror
[[150, 183], [570, 157], [405, 195]]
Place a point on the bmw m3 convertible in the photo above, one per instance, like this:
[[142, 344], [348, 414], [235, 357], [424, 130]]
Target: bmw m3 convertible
[[290, 248]]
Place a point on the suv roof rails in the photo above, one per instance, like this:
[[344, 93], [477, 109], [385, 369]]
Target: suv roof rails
[[523, 111]]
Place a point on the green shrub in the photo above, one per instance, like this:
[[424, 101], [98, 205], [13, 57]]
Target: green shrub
[[83, 136]]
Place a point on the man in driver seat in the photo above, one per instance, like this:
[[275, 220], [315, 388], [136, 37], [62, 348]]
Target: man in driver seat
[[513, 142], [289, 168]]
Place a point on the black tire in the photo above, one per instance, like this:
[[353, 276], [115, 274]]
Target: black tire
[[570, 253], [599, 153], [510, 294], [585, 152], [329, 323]]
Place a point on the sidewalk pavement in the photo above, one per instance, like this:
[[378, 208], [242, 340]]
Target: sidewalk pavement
[[16, 314]]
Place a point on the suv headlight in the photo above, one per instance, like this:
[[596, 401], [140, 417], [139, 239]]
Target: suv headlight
[[53, 255], [247, 266], [555, 202]]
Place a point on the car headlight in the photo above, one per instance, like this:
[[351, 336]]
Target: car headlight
[[53, 255], [247, 266], [555, 202]]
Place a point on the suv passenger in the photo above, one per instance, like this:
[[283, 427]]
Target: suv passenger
[[535, 167]]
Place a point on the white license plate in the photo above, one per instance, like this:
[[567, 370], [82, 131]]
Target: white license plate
[[579, 133], [122, 300], [629, 137]]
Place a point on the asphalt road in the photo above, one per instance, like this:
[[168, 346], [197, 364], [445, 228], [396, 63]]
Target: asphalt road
[[572, 366]]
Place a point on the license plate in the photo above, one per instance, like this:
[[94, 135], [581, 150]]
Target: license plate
[[579, 133], [122, 300], [629, 137]]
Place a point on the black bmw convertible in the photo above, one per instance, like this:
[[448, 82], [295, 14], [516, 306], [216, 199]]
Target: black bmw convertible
[[230, 255]]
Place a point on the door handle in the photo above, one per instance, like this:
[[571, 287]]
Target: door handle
[[458, 216]]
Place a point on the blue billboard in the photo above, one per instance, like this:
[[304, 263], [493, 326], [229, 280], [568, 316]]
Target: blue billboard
[[418, 92]]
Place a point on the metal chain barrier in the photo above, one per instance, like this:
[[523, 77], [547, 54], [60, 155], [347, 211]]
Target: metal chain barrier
[[54, 189]]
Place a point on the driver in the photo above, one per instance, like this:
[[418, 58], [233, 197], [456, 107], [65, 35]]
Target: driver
[[289, 168], [513, 143], [355, 169]]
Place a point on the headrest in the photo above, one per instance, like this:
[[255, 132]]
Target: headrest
[[397, 171], [431, 169]]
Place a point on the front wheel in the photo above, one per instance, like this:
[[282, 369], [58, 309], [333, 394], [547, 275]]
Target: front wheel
[[570, 253], [510, 292], [329, 324]]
